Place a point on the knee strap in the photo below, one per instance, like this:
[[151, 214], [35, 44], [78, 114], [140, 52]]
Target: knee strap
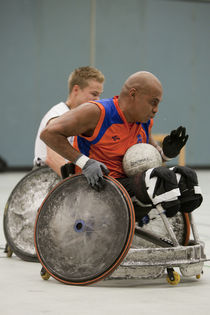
[[162, 188], [191, 196], [158, 186]]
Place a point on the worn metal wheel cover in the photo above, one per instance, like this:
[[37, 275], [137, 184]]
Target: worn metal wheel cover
[[81, 234], [21, 210]]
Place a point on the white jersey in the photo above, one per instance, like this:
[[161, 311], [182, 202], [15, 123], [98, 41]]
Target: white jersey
[[40, 150]]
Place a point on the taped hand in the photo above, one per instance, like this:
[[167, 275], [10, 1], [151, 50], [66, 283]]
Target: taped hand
[[173, 143], [93, 171]]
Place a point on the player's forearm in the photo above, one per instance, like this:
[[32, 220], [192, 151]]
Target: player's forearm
[[154, 143], [54, 161], [59, 144]]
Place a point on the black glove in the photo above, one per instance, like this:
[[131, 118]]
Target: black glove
[[93, 171], [67, 170], [173, 143]]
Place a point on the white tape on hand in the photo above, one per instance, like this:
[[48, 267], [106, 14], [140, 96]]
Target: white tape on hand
[[81, 161], [164, 157]]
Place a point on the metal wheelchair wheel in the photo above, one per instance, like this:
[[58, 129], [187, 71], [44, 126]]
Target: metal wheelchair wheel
[[82, 235], [21, 209]]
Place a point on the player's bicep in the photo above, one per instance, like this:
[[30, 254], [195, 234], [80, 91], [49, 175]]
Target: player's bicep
[[77, 121], [51, 120]]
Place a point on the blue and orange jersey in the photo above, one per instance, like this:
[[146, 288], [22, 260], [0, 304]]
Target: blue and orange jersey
[[112, 137]]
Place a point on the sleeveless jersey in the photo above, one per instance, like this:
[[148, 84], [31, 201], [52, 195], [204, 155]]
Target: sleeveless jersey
[[40, 150], [112, 137]]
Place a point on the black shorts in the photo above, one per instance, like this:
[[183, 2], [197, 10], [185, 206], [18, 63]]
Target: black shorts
[[135, 189], [127, 182]]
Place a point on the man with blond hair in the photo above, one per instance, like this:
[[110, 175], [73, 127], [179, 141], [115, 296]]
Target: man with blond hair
[[85, 84]]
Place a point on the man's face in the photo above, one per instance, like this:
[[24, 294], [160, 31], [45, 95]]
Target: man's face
[[92, 92], [145, 104]]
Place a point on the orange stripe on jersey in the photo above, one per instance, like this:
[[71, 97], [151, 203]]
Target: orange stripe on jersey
[[100, 122]]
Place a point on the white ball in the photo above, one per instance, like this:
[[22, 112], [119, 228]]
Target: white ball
[[141, 157]]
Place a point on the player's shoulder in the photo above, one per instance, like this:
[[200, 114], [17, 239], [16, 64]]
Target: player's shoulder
[[60, 107], [104, 101]]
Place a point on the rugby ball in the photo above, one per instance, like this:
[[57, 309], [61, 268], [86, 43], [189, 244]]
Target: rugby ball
[[141, 157]]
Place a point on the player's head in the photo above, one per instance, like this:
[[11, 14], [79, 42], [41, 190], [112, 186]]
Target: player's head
[[85, 84], [143, 92]]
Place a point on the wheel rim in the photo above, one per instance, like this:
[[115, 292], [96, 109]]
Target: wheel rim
[[94, 233]]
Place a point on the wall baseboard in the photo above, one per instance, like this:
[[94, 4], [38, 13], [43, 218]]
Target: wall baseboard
[[25, 168]]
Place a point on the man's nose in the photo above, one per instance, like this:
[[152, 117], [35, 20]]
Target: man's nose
[[155, 109]]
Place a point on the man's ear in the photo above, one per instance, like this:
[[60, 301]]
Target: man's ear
[[75, 88], [132, 92]]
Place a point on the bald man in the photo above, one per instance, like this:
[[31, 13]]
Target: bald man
[[105, 129]]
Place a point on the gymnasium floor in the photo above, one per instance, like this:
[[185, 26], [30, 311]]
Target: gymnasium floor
[[22, 291]]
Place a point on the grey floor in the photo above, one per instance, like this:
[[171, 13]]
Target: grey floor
[[22, 291]]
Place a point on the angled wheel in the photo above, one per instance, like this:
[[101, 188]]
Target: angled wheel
[[82, 235], [179, 223], [21, 209]]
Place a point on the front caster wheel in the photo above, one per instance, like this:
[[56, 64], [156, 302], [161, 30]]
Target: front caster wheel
[[44, 274], [8, 250], [173, 277]]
